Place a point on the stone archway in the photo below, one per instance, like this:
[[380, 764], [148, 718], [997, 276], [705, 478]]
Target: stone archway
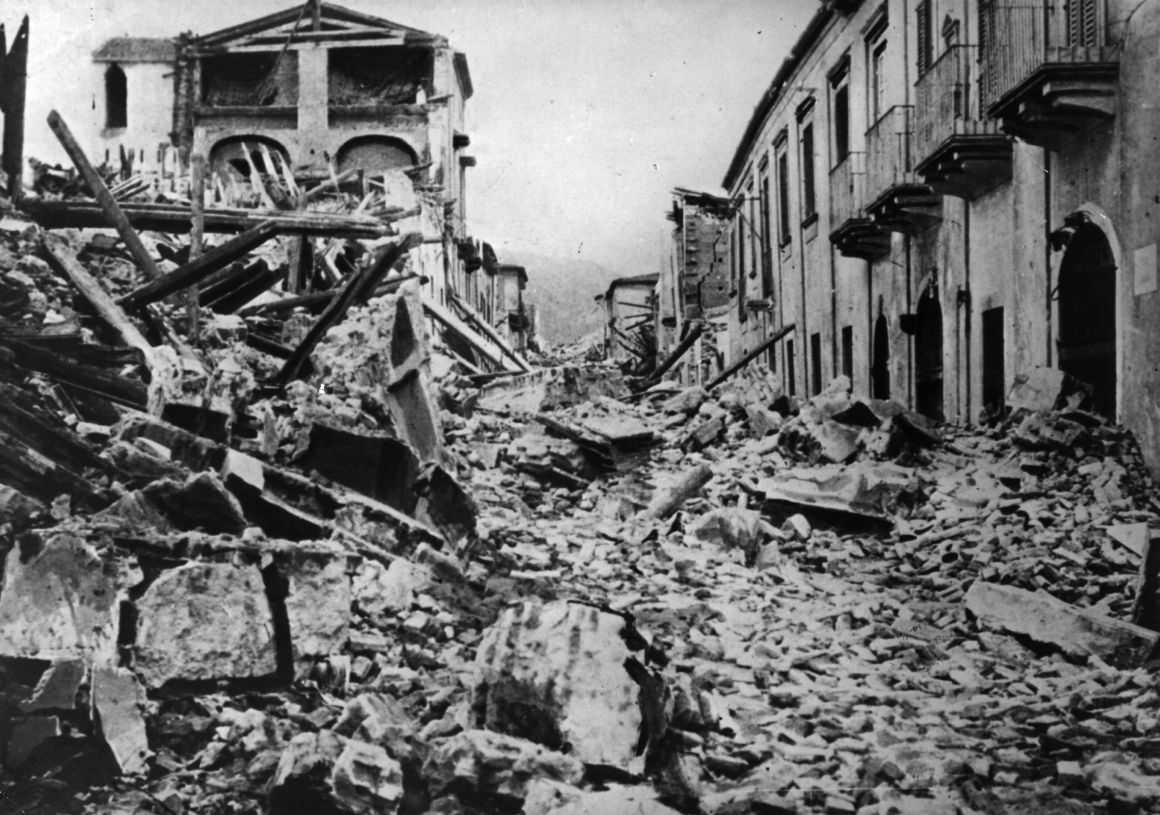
[[375, 155], [232, 153], [1087, 312]]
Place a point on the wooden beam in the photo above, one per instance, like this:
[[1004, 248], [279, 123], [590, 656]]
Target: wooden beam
[[113, 214], [359, 284], [491, 334], [748, 358], [61, 257], [450, 321], [199, 268], [682, 348], [196, 237], [15, 86], [176, 218], [88, 378]]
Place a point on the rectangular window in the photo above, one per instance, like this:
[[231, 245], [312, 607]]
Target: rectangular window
[[848, 352], [783, 196], [840, 114], [771, 358], [925, 34], [790, 373], [878, 80], [742, 269], [816, 363], [1083, 23], [809, 203], [994, 397], [766, 243]]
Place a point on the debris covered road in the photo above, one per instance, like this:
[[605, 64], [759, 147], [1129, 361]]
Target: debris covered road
[[555, 595]]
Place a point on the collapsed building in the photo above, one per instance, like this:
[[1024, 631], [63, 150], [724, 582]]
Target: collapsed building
[[933, 198]]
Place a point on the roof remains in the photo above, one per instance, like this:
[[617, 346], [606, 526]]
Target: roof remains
[[136, 49]]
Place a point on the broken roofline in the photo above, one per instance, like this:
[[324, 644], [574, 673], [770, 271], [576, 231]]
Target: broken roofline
[[772, 95], [218, 41], [638, 280]]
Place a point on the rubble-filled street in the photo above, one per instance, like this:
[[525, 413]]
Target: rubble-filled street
[[553, 594], [304, 512]]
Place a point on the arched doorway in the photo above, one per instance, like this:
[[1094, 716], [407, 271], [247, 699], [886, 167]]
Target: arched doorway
[[880, 362], [375, 155], [1087, 314], [928, 356]]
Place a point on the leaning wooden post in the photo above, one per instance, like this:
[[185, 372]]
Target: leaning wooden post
[[196, 236], [111, 208], [666, 502], [14, 89], [678, 352], [748, 358]]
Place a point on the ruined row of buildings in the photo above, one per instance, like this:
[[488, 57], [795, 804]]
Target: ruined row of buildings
[[327, 93], [933, 197]]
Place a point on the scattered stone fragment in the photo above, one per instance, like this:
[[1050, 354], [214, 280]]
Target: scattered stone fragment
[[325, 772], [480, 762], [118, 700]]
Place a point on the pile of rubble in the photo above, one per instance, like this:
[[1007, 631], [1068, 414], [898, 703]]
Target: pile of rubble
[[299, 561]]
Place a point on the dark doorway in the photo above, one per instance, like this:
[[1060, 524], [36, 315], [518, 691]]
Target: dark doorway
[[816, 363], [116, 98], [880, 364], [928, 356], [848, 352], [1087, 315], [790, 369], [993, 372]]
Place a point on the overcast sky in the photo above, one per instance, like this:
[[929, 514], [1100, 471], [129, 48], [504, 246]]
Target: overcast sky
[[586, 112]]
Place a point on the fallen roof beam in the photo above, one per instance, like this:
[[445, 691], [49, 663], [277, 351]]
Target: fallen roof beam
[[448, 320], [62, 258], [112, 210], [682, 348], [359, 286], [176, 218], [201, 267], [492, 335], [748, 358]]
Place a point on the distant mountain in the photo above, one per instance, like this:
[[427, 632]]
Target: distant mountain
[[564, 291]]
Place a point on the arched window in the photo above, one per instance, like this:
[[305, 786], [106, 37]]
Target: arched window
[[116, 97]]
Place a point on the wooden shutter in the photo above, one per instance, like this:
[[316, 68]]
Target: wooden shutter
[[925, 43], [1083, 23]]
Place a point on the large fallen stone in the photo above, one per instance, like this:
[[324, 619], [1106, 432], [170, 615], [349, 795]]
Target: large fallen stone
[[200, 502], [57, 688], [318, 602], [860, 493], [1044, 389], [325, 772], [376, 718], [204, 621], [383, 590], [480, 762], [62, 601], [1047, 619], [117, 703], [555, 674]]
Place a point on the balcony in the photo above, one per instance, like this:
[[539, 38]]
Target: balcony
[[957, 150], [854, 234], [899, 200], [1048, 70]]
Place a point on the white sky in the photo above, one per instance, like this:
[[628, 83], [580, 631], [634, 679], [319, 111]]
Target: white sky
[[586, 112]]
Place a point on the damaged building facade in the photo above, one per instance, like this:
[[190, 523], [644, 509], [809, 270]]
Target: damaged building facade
[[940, 196], [319, 92]]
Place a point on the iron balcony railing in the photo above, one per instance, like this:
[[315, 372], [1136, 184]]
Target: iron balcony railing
[[946, 103], [889, 159], [1021, 36], [848, 189]]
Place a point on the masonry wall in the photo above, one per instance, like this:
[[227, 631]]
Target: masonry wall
[[985, 253]]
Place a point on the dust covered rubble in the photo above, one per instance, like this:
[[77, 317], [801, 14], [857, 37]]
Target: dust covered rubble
[[560, 595]]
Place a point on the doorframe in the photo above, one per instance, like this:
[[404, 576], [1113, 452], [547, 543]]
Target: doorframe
[[1099, 218]]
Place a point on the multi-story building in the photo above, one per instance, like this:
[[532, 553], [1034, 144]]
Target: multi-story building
[[509, 313], [314, 92], [940, 195], [694, 286]]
